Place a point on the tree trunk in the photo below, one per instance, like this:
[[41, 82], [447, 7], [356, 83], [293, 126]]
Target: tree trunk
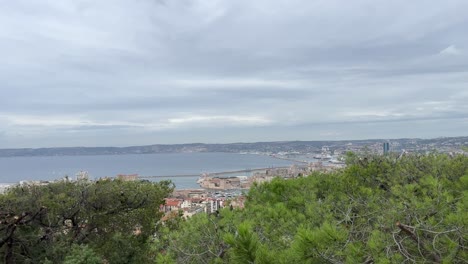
[[9, 252]]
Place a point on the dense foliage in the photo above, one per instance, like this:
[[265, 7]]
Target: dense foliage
[[80, 222], [380, 209]]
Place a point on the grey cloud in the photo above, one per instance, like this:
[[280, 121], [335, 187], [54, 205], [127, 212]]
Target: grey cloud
[[297, 64], [207, 97], [110, 128]]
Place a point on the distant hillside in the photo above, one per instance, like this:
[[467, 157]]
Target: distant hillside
[[262, 147]]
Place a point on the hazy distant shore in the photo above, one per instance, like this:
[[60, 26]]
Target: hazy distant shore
[[251, 148]]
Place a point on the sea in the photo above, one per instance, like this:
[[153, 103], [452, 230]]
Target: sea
[[15, 169]]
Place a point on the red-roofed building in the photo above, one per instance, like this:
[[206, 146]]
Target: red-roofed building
[[171, 204]]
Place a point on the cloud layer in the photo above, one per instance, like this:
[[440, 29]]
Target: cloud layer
[[141, 72]]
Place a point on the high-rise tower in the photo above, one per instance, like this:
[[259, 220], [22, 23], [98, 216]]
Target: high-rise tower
[[386, 147]]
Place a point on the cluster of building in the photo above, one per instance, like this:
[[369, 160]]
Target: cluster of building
[[243, 182], [224, 183], [190, 202], [219, 192], [4, 187]]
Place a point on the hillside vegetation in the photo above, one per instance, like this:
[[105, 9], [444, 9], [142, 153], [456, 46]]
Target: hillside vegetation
[[380, 209], [80, 222]]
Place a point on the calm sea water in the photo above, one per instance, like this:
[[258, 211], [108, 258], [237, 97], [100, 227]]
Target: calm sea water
[[15, 169]]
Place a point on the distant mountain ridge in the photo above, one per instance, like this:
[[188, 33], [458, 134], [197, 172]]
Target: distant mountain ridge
[[263, 147]]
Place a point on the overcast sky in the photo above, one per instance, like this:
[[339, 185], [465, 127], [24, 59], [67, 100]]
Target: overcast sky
[[132, 72]]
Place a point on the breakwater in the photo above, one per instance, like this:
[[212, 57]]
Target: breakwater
[[211, 174]]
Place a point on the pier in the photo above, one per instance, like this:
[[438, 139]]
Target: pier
[[289, 159], [210, 173], [169, 176]]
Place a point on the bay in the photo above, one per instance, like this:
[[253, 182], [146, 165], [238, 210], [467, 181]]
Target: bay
[[15, 169]]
